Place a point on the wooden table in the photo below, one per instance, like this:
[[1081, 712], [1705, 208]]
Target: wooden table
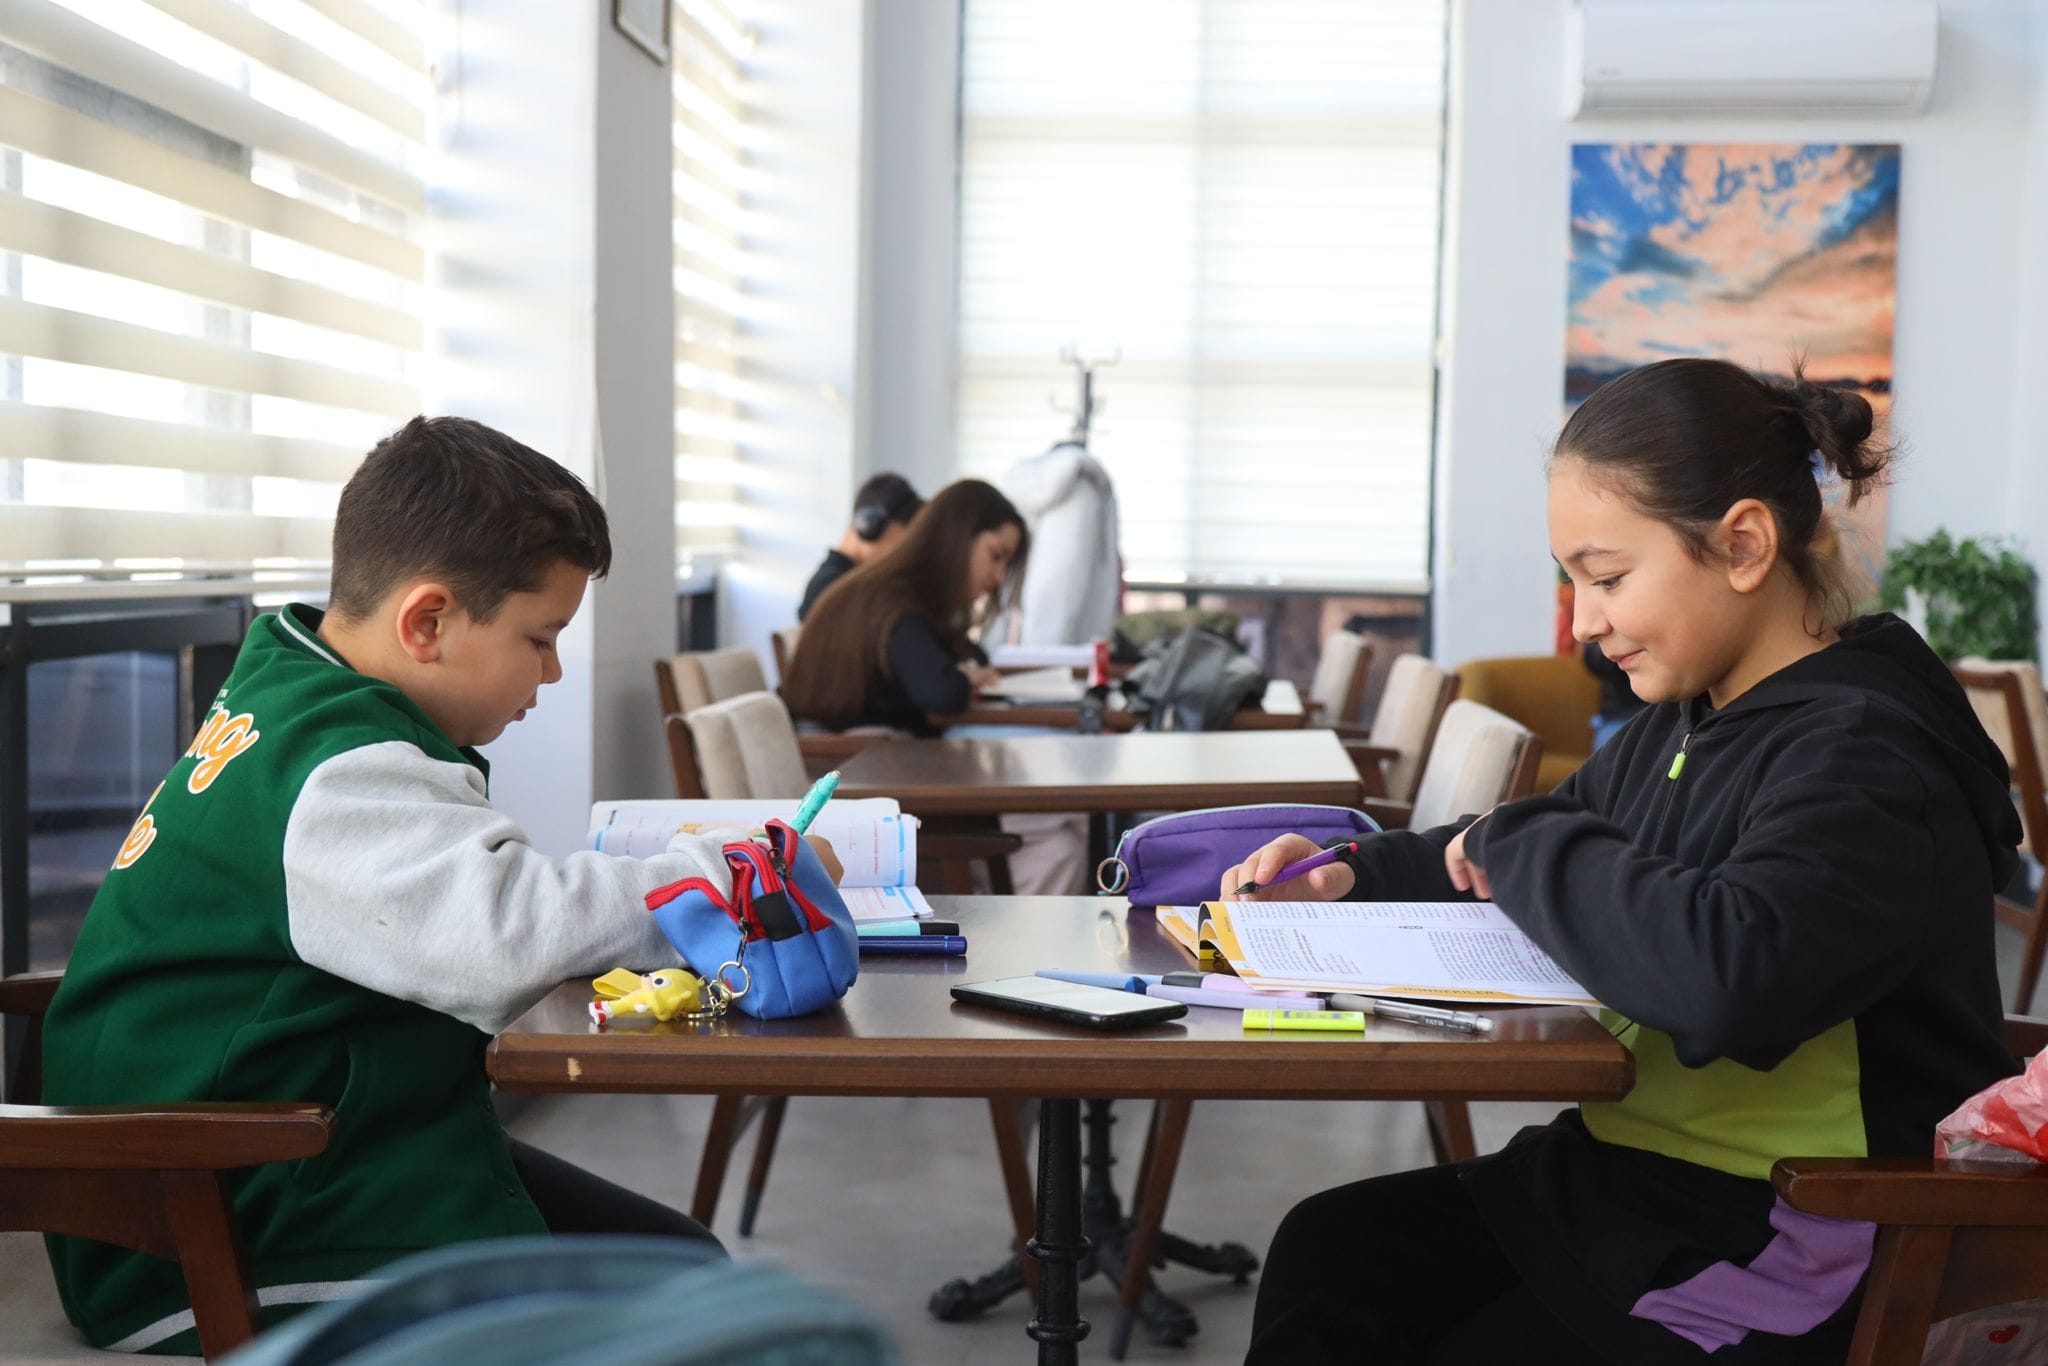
[[1137, 772], [899, 1033]]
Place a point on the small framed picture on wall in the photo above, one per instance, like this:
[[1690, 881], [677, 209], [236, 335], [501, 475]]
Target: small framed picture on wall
[[646, 23]]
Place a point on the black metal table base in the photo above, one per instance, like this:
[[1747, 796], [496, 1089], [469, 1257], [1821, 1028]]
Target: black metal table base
[[1080, 1234]]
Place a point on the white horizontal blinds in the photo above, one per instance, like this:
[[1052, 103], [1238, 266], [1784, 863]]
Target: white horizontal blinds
[[1243, 198], [209, 215], [711, 46]]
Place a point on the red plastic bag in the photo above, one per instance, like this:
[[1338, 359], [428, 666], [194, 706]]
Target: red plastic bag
[[2005, 1122]]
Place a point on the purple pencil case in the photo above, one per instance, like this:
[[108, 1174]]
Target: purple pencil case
[[1180, 860]]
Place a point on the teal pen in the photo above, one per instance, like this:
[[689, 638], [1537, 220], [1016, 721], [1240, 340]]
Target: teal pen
[[814, 801], [867, 928]]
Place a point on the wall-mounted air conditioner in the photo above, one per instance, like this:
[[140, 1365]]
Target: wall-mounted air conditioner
[[1749, 56]]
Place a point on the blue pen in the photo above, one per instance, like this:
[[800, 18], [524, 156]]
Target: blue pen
[[814, 801], [923, 943], [1115, 981]]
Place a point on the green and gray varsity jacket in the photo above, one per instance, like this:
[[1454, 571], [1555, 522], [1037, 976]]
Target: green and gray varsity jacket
[[320, 904]]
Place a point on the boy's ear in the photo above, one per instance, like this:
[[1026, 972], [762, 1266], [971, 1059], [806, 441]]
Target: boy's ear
[[423, 619], [1748, 536]]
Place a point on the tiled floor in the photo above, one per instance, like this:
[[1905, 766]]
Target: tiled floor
[[887, 1199]]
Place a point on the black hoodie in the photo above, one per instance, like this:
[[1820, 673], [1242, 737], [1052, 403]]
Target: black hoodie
[[1793, 931]]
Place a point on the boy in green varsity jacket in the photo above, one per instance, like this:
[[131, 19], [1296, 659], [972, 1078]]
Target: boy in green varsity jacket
[[1778, 879], [320, 904]]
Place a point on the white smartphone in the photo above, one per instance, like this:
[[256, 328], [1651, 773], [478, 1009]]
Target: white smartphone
[[1070, 1002]]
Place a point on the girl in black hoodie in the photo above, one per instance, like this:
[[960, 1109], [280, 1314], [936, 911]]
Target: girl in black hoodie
[[1778, 877]]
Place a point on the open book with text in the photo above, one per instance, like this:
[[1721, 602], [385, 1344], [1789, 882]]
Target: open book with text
[[876, 843], [1438, 950]]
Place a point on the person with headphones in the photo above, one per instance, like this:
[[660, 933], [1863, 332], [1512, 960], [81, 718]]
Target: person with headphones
[[882, 510]]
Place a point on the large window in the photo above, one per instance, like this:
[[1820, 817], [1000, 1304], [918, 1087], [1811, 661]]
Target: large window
[[711, 48], [1242, 198], [208, 217]]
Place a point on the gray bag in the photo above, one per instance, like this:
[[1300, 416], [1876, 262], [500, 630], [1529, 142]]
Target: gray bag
[[1197, 683]]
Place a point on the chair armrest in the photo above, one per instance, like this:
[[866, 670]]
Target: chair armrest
[[995, 844], [28, 993], [207, 1137], [1388, 814], [1922, 1191], [1351, 730]]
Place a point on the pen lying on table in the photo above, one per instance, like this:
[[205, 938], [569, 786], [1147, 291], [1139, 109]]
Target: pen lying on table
[[913, 943], [1408, 1013]]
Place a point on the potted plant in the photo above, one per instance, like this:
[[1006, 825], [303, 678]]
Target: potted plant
[[1967, 597]]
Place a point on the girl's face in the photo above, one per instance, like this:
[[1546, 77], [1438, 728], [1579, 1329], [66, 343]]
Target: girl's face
[[988, 560], [1677, 625]]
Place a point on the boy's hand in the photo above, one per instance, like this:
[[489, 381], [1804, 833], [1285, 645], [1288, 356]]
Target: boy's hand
[[1327, 883], [822, 847]]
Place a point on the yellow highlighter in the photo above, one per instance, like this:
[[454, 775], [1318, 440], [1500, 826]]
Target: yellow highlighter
[[1317, 1021]]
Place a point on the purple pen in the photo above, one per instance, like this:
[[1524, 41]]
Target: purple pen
[[1300, 866]]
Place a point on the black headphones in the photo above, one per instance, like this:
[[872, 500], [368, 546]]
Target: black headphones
[[870, 520]]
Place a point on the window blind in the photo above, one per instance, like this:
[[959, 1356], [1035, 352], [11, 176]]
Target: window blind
[[1242, 198], [711, 45], [209, 216]]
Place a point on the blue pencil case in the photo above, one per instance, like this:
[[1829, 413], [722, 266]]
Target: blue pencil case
[[784, 924]]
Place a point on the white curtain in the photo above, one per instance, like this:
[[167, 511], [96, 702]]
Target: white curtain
[[209, 217], [1244, 198]]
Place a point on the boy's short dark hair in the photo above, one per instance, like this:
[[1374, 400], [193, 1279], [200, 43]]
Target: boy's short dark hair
[[450, 499]]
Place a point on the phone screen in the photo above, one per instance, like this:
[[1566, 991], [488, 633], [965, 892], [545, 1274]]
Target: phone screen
[[1074, 1002]]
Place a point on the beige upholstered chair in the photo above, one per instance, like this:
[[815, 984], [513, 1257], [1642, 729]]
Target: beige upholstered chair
[[2008, 699], [1337, 692], [699, 678], [1479, 759], [1390, 756], [746, 747]]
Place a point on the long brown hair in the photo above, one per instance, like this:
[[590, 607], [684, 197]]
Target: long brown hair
[[845, 640]]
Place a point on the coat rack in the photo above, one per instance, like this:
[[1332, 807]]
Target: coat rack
[[1084, 412]]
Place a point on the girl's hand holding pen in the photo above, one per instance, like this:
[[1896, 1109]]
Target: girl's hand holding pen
[[1327, 883]]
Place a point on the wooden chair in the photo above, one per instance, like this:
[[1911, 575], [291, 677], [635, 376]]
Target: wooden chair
[[2008, 699], [1337, 692], [746, 747], [141, 1177], [783, 644], [1553, 695], [1392, 753], [1951, 1237], [698, 678]]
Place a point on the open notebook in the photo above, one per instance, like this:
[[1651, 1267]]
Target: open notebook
[[1433, 950], [875, 841]]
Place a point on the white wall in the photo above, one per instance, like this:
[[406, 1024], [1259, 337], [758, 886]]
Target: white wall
[[911, 297], [1969, 302], [2027, 496], [549, 233], [801, 367]]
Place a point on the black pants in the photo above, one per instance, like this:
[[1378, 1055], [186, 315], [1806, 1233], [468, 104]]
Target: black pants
[[1398, 1271], [572, 1200]]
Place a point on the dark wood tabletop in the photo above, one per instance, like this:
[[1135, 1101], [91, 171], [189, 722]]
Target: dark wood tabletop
[[1136, 772], [899, 1033]]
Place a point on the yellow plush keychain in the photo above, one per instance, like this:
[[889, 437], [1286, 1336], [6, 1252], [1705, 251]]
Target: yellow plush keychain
[[623, 993]]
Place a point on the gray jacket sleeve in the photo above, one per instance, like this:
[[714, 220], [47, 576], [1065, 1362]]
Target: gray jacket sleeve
[[401, 877]]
